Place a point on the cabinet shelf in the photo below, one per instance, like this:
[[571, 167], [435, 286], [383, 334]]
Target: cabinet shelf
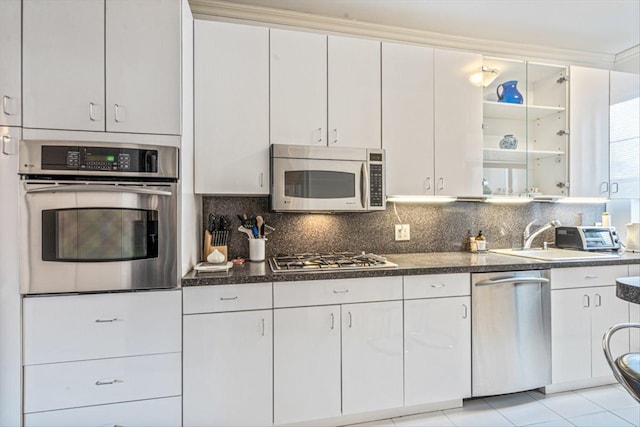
[[505, 110], [499, 155]]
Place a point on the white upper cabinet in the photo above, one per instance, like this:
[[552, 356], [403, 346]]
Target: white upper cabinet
[[458, 124], [65, 43], [624, 135], [589, 132], [231, 82], [407, 118], [143, 44], [63, 64], [10, 64], [298, 73], [525, 129], [353, 92]]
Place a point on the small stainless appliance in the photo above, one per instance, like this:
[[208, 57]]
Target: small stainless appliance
[[328, 262], [511, 329], [587, 238], [327, 179], [97, 217]]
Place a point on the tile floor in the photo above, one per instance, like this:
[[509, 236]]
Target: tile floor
[[606, 406]]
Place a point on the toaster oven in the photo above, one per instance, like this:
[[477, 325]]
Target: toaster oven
[[587, 238]]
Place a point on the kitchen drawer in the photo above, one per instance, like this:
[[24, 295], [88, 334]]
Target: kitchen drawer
[[437, 285], [212, 299], [164, 412], [581, 277], [94, 326], [95, 382], [336, 291]]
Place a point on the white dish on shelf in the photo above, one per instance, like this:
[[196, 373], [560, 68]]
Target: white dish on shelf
[[207, 267]]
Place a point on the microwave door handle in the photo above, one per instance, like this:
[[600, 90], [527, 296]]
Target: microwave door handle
[[86, 188], [364, 193]]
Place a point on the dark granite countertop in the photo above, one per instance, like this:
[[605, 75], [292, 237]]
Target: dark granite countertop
[[408, 264], [628, 289]]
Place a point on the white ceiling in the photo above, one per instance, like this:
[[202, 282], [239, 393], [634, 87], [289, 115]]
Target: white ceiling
[[595, 26]]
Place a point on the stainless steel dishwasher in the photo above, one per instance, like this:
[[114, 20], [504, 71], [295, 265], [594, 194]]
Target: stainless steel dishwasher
[[511, 331]]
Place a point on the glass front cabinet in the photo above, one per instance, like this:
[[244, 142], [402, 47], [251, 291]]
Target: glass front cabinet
[[525, 128]]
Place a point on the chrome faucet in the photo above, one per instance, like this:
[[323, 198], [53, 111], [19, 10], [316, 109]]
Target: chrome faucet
[[527, 236]]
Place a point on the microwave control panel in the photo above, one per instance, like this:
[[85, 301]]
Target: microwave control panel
[[376, 180], [107, 159]]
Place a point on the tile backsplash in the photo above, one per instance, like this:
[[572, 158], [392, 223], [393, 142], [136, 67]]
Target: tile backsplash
[[434, 227]]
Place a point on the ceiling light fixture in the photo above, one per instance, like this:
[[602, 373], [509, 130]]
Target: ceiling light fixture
[[484, 77]]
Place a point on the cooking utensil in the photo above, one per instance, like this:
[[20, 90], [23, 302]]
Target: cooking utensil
[[246, 231], [260, 225]]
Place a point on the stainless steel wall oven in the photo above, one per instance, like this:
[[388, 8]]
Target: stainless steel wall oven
[[97, 217]]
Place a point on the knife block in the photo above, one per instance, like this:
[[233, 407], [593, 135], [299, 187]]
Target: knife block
[[208, 247]]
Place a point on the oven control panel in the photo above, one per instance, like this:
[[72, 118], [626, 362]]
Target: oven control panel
[[107, 159]]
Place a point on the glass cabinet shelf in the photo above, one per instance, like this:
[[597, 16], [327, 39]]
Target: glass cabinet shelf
[[505, 110]]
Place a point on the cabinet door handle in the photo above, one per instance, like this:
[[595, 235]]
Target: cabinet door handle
[[586, 302], [113, 381], [591, 276], [115, 319], [614, 185], [8, 146], [465, 311], [228, 298], [598, 300], [604, 187], [262, 327], [427, 184], [333, 321], [116, 114], [335, 136], [92, 112], [340, 291], [441, 184], [8, 105], [350, 319], [318, 139], [441, 285]]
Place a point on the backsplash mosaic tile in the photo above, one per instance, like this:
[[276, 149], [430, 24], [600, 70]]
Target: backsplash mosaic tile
[[434, 227]]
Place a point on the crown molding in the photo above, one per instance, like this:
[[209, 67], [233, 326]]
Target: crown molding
[[287, 18], [628, 55]]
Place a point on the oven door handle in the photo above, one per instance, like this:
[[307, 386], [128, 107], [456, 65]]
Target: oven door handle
[[86, 188]]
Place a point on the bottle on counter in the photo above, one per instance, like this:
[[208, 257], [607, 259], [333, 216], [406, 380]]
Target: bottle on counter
[[481, 242], [606, 219]]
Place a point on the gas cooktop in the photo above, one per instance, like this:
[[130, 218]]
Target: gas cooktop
[[328, 262]]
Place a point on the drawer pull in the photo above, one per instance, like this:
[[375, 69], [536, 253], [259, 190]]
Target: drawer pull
[[340, 291], [113, 381], [589, 276], [438, 286], [115, 319], [228, 298]]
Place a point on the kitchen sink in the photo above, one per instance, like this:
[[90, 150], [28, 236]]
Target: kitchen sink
[[555, 254]]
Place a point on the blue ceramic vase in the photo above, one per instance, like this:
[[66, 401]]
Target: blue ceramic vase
[[508, 92]]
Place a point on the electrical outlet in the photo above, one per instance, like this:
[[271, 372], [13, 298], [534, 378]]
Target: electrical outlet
[[403, 232]]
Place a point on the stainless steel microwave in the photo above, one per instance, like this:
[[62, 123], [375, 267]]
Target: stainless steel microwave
[[327, 179]]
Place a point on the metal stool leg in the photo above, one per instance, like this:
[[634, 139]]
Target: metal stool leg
[[619, 375]]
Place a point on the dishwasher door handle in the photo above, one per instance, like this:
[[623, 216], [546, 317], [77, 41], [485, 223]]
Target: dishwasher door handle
[[515, 280]]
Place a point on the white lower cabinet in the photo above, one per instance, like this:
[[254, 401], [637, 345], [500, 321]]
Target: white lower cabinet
[[95, 359], [164, 412], [372, 362], [227, 369], [227, 358], [341, 358], [437, 349], [306, 363], [580, 315]]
